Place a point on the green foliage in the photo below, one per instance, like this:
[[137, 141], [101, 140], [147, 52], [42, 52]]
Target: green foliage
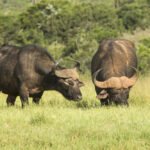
[[100, 33], [70, 28], [146, 42], [134, 16], [79, 28], [30, 36], [56, 49], [148, 2], [6, 28], [144, 56]]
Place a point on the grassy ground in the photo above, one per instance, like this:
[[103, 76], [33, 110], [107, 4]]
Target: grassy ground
[[62, 125], [137, 36]]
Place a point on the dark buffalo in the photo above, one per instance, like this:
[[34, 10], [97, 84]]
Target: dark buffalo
[[113, 71], [30, 70]]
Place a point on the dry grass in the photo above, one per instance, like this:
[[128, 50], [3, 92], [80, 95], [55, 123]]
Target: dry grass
[[137, 35]]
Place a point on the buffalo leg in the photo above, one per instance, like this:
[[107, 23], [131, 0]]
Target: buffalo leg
[[104, 102], [24, 94], [37, 97], [10, 100]]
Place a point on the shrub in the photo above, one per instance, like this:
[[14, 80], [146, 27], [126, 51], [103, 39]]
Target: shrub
[[30, 36], [6, 28], [67, 29], [72, 30], [143, 56], [134, 16]]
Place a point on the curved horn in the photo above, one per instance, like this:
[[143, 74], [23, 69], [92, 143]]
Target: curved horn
[[132, 80], [128, 82], [100, 84], [115, 82]]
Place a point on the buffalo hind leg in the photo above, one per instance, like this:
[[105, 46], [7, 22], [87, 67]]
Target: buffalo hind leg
[[37, 97], [10, 100], [24, 94]]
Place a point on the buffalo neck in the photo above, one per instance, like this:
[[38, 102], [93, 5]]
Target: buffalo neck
[[51, 82]]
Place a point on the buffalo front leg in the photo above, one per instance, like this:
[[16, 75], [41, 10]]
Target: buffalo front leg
[[10, 100], [104, 102], [24, 94], [37, 97]]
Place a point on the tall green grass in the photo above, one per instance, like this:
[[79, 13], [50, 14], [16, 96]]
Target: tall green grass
[[59, 124]]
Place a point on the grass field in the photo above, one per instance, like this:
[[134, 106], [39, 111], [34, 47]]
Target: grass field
[[62, 125]]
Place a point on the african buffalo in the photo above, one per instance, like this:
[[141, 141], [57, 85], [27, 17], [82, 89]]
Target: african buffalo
[[30, 70], [113, 70]]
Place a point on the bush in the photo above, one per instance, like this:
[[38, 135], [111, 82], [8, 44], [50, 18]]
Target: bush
[[144, 56], [72, 30], [30, 36], [6, 28], [100, 33], [67, 29], [134, 16]]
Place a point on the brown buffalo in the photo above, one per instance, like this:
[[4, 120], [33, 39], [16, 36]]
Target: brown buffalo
[[30, 70], [113, 71]]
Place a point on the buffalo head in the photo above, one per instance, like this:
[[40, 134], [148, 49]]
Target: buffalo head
[[69, 83], [115, 89]]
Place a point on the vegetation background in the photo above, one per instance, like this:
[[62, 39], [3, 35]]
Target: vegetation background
[[73, 29]]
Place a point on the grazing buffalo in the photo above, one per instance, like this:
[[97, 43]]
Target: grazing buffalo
[[113, 71], [30, 70]]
